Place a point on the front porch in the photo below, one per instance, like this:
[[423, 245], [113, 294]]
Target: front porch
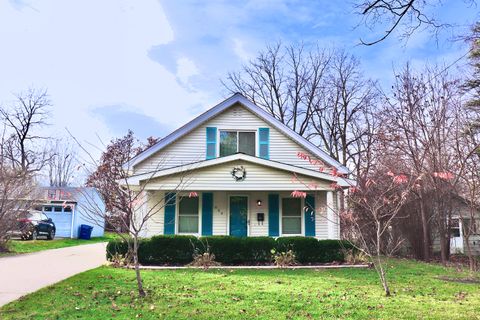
[[244, 213]]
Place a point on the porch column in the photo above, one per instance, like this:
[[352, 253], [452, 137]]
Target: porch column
[[140, 208], [330, 215]]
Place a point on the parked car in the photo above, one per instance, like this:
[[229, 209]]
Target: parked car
[[33, 224]]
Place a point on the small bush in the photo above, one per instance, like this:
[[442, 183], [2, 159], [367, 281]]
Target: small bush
[[353, 256], [116, 247], [284, 259], [204, 260]]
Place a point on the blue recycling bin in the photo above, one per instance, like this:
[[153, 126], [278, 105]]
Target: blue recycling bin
[[85, 232]]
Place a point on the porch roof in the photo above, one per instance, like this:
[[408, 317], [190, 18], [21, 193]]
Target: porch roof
[[136, 180]]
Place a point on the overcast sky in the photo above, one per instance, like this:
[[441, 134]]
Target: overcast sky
[[111, 65]]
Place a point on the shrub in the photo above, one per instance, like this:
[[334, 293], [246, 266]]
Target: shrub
[[311, 250], [284, 259], [169, 249], [116, 247], [353, 256], [204, 260], [180, 250]]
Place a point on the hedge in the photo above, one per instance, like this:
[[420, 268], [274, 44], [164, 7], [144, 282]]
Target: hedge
[[179, 250]]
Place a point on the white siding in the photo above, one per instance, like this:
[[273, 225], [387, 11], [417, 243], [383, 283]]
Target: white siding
[[220, 214], [192, 147], [219, 177], [155, 224]]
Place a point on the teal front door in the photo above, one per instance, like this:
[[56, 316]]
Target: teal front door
[[238, 216]]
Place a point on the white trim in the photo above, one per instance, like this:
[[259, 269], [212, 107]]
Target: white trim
[[177, 217], [229, 195], [234, 99], [330, 215], [73, 220], [136, 179], [280, 214]]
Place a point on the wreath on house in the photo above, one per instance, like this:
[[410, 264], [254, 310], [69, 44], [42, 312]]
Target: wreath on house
[[239, 173]]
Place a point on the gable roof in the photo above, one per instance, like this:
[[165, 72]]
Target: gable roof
[[136, 179], [219, 108]]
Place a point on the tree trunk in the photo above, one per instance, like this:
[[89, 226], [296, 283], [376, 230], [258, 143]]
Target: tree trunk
[[141, 291], [426, 237], [442, 233], [471, 259], [379, 265]]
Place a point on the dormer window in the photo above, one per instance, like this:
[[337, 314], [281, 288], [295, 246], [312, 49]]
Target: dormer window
[[232, 142]]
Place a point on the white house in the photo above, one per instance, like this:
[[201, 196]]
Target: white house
[[236, 170]]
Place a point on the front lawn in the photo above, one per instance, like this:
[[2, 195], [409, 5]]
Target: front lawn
[[21, 246], [108, 293]]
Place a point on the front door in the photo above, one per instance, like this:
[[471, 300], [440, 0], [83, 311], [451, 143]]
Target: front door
[[456, 236], [238, 216]]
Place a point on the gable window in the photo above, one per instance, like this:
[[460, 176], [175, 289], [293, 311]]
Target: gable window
[[291, 216], [188, 215], [232, 142]]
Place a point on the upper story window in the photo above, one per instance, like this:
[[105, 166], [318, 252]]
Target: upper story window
[[232, 142]]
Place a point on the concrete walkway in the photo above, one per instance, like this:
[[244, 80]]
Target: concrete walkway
[[27, 273]]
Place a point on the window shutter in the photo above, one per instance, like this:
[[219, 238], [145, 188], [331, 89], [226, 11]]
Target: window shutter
[[310, 215], [207, 213], [169, 222], [211, 136], [273, 215], [263, 143]]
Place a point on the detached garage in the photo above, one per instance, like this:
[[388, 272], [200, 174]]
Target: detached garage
[[68, 207]]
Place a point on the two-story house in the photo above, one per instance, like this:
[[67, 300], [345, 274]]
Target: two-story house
[[236, 170]]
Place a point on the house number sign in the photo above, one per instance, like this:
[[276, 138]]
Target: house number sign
[[239, 173]]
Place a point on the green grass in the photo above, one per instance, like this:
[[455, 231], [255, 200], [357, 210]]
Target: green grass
[[21, 246], [108, 293]]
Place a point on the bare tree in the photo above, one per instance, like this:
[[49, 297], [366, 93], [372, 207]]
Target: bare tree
[[320, 94], [421, 119], [344, 111], [28, 113], [129, 197], [63, 164], [285, 81], [376, 203], [407, 16], [17, 189]]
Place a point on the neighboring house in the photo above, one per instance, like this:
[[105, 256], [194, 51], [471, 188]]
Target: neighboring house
[[236, 170], [461, 226], [69, 208]]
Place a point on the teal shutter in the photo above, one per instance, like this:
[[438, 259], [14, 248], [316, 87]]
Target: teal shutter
[[207, 213], [310, 215], [211, 143], [169, 222], [263, 143], [273, 215]]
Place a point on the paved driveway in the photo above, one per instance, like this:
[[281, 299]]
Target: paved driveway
[[27, 273]]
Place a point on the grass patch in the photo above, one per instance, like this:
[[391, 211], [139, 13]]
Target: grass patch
[[106, 293], [21, 246]]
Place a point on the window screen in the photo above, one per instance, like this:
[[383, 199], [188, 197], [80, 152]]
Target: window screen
[[228, 143], [291, 216], [246, 143], [188, 215]]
